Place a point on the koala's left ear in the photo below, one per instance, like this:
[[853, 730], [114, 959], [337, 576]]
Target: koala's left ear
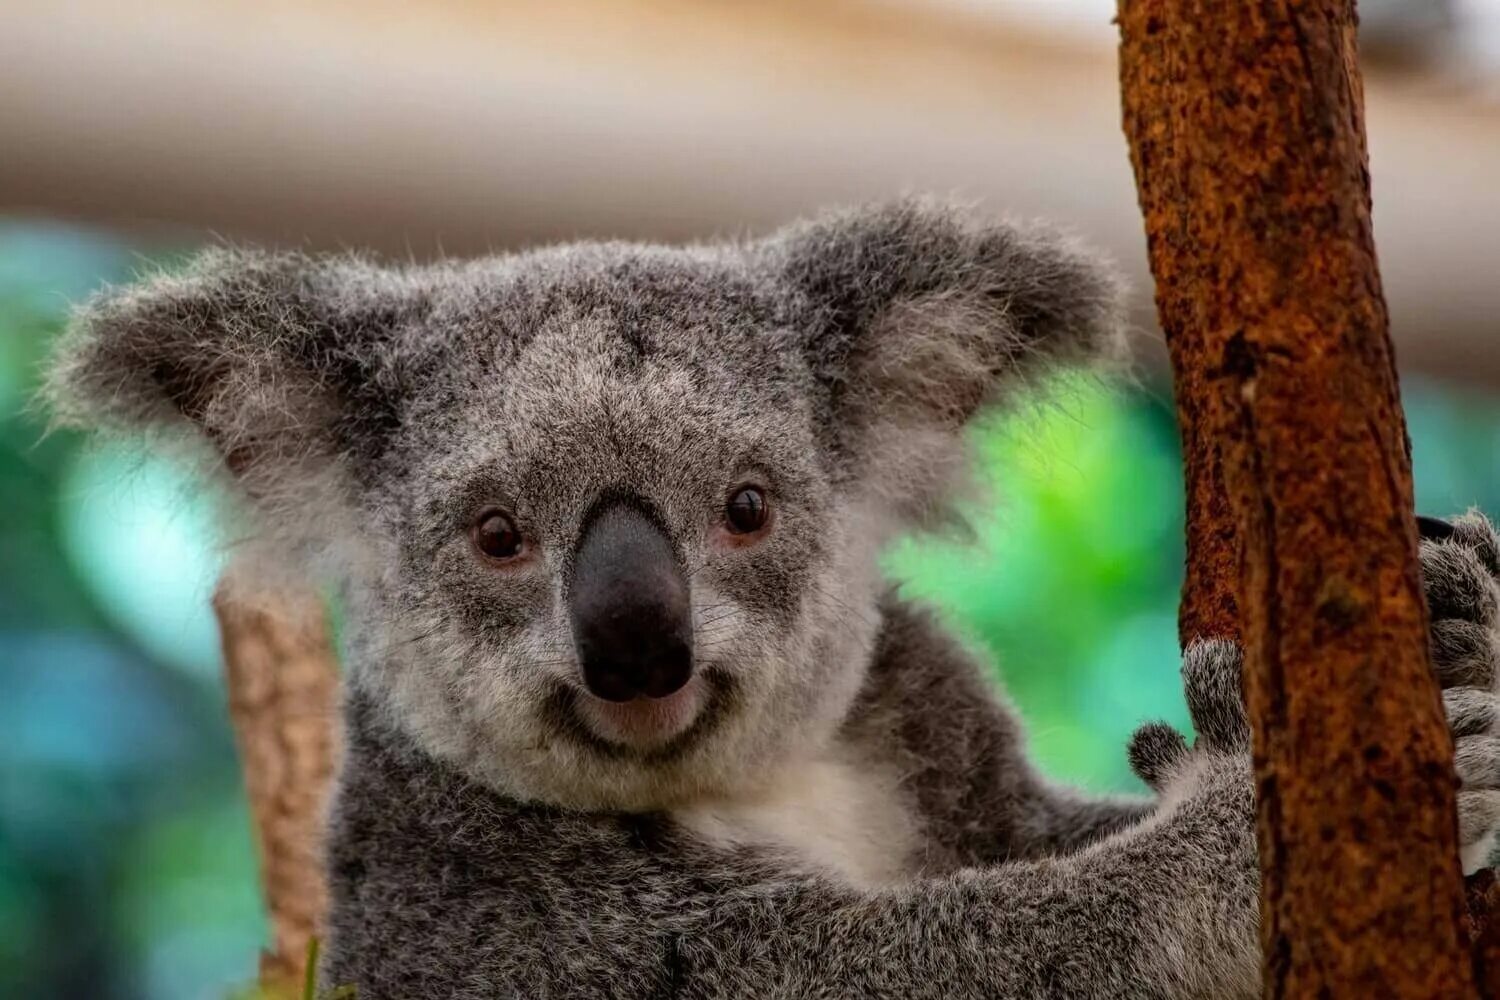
[[916, 317]]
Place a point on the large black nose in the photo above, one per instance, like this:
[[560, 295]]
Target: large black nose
[[628, 597]]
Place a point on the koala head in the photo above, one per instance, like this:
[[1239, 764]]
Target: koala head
[[606, 515]]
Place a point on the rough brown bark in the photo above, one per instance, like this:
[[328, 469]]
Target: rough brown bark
[[283, 692], [1245, 123], [1210, 607], [1484, 929]]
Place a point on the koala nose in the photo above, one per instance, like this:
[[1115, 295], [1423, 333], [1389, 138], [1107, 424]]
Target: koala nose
[[628, 599]]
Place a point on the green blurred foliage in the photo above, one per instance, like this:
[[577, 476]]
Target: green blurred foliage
[[127, 868], [126, 863], [1069, 580]]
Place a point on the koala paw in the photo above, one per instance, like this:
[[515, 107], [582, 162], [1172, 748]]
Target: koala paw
[[1461, 577], [1211, 681]]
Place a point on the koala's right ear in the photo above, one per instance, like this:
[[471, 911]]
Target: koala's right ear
[[278, 360]]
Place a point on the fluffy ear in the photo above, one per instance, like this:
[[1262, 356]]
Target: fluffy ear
[[276, 359], [917, 317]]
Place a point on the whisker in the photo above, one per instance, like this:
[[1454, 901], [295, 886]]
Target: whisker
[[383, 649], [723, 616]]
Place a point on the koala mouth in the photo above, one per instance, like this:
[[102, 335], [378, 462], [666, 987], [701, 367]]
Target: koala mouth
[[644, 721], [651, 730]]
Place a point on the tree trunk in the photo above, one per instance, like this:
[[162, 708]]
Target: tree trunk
[[1245, 124], [283, 680]]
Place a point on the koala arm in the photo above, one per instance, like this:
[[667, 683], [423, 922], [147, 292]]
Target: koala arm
[[442, 888], [1461, 576], [1061, 820], [1113, 920], [929, 706]]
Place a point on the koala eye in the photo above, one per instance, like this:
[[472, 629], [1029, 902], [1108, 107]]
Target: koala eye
[[495, 535], [747, 510]]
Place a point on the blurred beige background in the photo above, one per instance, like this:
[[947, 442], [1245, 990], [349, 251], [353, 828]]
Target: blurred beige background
[[457, 125]]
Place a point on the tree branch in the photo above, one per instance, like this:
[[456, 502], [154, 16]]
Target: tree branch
[[283, 697], [1245, 123]]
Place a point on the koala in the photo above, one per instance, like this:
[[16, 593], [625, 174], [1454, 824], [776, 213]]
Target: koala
[[629, 710]]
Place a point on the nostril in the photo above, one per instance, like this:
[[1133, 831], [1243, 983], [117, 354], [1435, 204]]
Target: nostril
[[607, 682], [666, 674], [621, 675]]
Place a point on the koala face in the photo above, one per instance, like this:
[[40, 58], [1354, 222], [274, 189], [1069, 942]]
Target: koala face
[[607, 515], [624, 560]]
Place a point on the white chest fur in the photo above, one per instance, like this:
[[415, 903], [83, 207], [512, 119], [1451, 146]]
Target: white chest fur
[[845, 820]]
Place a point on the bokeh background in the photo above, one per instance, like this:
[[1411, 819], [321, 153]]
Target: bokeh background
[[130, 134]]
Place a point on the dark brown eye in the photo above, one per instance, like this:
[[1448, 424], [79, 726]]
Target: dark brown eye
[[747, 510], [496, 536]]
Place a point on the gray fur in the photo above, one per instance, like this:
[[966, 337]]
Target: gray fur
[[486, 840], [1461, 578]]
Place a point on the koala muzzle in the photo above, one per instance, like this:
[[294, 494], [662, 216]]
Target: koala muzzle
[[628, 599]]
